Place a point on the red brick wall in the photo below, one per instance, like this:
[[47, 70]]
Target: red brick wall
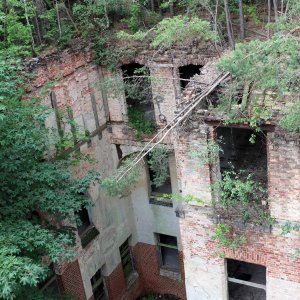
[[115, 283], [147, 265], [71, 281], [118, 289], [271, 250]]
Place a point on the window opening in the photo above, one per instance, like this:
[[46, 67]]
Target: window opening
[[126, 259], [187, 72], [84, 219], [119, 151], [241, 155], [165, 188], [86, 230], [168, 250], [97, 282], [138, 91], [246, 280]]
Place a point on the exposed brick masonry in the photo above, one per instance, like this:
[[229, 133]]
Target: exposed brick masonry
[[147, 265], [71, 281]]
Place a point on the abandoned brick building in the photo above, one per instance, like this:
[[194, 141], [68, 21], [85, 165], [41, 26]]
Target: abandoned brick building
[[139, 244]]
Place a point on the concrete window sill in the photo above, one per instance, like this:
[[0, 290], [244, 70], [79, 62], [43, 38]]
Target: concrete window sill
[[172, 274], [162, 202]]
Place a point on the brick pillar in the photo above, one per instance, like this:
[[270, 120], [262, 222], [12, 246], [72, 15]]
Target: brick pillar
[[116, 284], [71, 281], [147, 265]]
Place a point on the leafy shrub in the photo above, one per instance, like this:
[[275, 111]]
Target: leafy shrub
[[137, 120]]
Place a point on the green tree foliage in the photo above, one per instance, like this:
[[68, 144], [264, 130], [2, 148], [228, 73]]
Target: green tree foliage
[[270, 65], [159, 164], [31, 183], [181, 30], [122, 181]]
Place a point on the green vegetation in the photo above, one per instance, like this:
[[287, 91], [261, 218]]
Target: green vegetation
[[121, 183], [159, 163], [226, 237], [32, 182], [238, 198], [287, 228]]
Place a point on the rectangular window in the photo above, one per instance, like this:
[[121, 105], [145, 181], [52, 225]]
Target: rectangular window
[[168, 250], [239, 154], [86, 230], [126, 259], [245, 280], [156, 191], [97, 282], [165, 188], [138, 95], [84, 220]]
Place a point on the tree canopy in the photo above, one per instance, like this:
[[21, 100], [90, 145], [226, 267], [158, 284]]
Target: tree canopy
[[33, 183]]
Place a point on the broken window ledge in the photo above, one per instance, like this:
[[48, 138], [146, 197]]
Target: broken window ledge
[[88, 235], [156, 200], [170, 273]]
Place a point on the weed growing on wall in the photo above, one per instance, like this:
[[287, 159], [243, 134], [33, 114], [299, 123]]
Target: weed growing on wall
[[287, 228], [225, 236]]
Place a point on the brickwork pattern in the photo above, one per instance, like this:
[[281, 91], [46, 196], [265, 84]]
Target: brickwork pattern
[[118, 289], [147, 265], [116, 284], [70, 281]]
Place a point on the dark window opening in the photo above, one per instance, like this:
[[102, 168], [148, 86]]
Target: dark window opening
[[50, 286], [187, 72], [126, 259], [168, 250], [84, 220], [239, 154], [246, 280], [119, 151], [86, 230], [165, 188], [138, 91], [97, 282]]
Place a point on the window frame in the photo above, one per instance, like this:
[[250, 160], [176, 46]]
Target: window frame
[[88, 234], [127, 255], [98, 283], [248, 283], [153, 195], [159, 245]]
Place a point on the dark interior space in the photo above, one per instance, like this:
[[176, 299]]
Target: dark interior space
[[98, 286], [168, 251], [138, 92], [119, 151], [126, 259], [241, 155], [84, 219], [187, 72], [246, 281]]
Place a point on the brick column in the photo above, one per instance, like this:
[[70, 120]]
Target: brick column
[[71, 281], [116, 284], [147, 265]]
